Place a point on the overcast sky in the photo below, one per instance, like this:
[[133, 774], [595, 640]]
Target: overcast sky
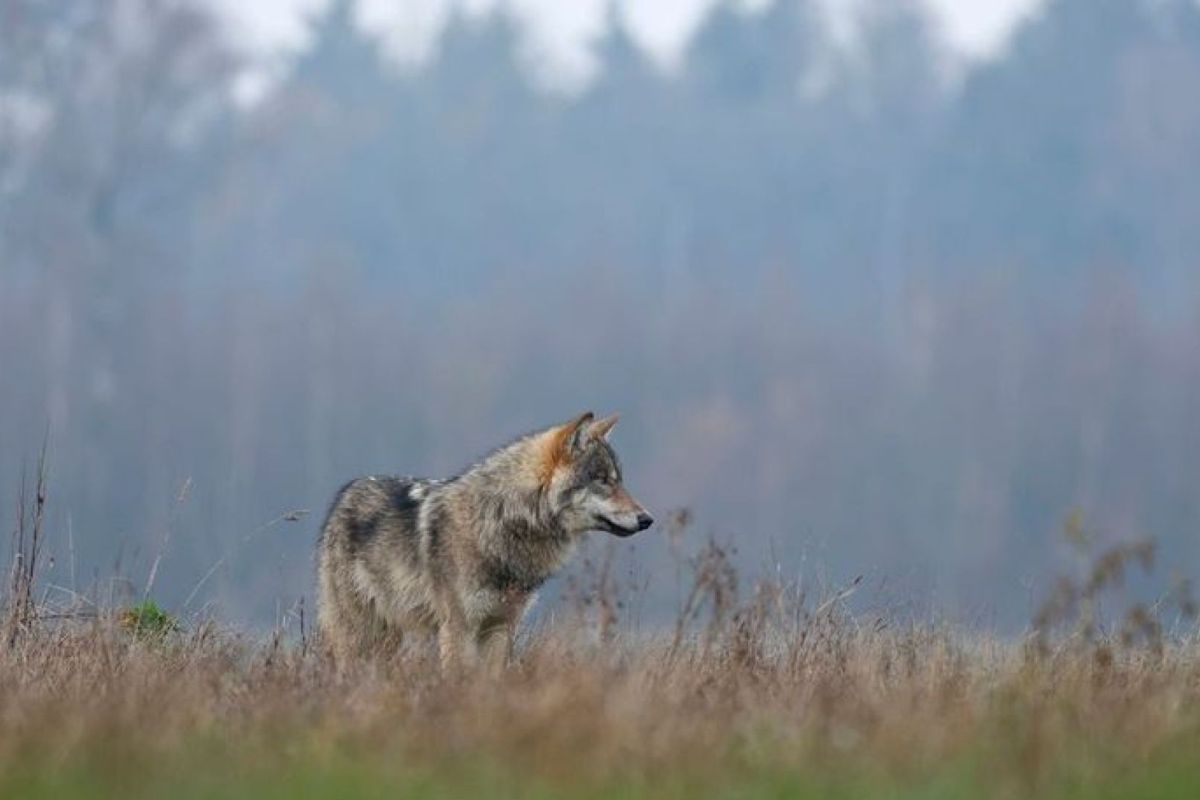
[[559, 31]]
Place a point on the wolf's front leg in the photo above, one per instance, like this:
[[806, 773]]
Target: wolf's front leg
[[455, 645], [496, 646], [450, 647]]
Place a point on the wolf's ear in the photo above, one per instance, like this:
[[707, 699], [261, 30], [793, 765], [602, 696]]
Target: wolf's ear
[[574, 433], [600, 429], [563, 442]]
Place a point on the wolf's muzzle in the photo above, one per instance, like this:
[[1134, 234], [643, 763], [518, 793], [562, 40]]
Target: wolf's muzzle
[[642, 521]]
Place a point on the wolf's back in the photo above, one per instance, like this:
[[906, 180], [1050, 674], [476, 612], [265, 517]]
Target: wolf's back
[[371, 513]]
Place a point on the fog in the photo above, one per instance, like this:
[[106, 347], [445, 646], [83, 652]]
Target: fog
[[859, 319]]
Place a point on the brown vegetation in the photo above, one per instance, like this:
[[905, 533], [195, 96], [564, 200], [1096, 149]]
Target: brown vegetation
[[764, 686]]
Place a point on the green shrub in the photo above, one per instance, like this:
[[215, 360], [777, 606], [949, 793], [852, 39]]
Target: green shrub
[[147, 619]]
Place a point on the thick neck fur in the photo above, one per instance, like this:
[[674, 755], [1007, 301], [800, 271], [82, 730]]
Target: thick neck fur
[[512, 512]]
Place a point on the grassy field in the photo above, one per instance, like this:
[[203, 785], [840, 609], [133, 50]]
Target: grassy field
[[772, 696], [769, 693]]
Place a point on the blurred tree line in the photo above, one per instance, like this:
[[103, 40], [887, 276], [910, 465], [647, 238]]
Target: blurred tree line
[[854, 313]]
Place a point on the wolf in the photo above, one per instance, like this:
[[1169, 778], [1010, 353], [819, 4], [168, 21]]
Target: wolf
[[463, 558]]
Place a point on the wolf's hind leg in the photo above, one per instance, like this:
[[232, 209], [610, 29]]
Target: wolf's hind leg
[[352, 629]]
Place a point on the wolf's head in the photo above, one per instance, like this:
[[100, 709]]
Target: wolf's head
[[583, 479]]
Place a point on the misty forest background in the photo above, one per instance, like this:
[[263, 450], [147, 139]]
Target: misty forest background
[[861, 313]]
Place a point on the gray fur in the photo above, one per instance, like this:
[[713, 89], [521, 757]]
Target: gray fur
[[464, 558]]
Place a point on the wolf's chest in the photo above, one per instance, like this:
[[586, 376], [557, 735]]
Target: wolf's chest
[[487, 608]]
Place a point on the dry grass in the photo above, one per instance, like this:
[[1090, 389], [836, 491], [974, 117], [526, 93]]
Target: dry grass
[[769, 695]]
